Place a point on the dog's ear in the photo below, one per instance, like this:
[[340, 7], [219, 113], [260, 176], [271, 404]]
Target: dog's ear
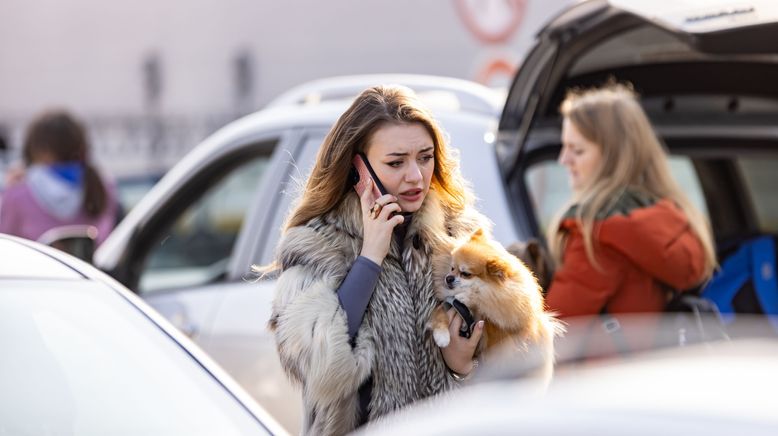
[[477, 235], [498, 268]]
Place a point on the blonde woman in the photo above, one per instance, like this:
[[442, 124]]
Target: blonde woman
[[356, 290], [629, 231]]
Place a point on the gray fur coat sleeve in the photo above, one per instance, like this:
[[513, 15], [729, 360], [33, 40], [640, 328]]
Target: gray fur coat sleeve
[[309, 322]]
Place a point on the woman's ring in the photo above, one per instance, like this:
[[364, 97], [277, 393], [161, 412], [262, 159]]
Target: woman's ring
[[375, 210]]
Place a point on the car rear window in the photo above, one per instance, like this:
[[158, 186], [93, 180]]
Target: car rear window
[[751, 185], [549, 189]]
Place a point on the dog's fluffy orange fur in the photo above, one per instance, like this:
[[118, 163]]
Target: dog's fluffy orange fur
[[498, 288]]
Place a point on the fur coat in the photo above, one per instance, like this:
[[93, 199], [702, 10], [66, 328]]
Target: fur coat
[[393, 344]]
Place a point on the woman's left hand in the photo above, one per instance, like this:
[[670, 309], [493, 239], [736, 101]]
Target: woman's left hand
[[459, 352]]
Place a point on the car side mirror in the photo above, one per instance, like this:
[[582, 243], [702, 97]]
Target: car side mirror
[[77, 240]]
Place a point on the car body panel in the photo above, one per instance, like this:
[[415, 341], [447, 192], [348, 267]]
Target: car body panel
[[85, 311], [712, 388], [28, 262], [718, 26]]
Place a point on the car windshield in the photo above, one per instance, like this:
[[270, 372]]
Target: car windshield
[[79, 359]]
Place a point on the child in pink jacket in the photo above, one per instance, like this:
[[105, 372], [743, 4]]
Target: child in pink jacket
[[60, 186]]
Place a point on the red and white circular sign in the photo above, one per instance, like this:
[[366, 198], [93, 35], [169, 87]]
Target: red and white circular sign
[[497, 73], [492, 21]]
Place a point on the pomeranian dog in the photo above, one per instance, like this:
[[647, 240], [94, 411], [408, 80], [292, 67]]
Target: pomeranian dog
[[498, 288]]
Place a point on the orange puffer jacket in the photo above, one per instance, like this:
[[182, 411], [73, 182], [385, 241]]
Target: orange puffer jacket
[[639, 245]]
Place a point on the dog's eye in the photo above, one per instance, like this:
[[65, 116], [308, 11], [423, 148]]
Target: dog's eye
[[465, 274]]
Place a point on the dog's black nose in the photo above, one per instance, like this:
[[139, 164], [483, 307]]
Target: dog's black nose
[[450, 281]]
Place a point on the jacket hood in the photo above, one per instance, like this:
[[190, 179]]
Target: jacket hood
[[58, 189]]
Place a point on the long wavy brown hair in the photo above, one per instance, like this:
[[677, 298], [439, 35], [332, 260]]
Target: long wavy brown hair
[[632, 158], [372, 109]]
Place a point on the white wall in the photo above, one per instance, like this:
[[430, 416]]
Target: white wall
[[87, 55]]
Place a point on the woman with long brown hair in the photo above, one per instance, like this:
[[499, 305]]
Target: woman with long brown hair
[[629, 232], [355, 290]]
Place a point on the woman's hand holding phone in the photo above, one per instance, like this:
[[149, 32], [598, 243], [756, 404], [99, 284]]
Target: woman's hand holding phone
[[378, 228]]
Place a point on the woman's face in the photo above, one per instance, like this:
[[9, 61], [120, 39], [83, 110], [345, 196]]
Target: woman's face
[[402, 156], [580, 156]]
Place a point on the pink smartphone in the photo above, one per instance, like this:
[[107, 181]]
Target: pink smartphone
[[361, 173]]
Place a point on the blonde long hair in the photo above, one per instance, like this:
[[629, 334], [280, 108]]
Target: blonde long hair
[[373, 108], [632, 157]]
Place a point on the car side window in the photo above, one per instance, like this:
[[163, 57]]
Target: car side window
[[290, 191], [547, 183], [548, 189], [195, 248], [760, 180]]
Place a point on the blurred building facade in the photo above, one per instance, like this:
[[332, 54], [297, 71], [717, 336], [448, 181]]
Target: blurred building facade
[[152, 78]]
